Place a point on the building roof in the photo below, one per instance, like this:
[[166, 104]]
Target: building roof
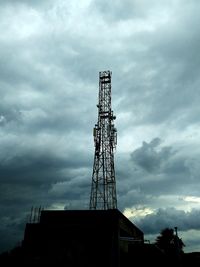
[[86, 217]]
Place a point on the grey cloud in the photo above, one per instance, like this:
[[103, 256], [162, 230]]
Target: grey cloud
[[170, 217], [168, 161], [33, 3], [113, 11], [36, 167], [154, 171], [126, 10], [148, 158], [163, 80], [39, 180], [11, 232], [170, 164], [49, 87]]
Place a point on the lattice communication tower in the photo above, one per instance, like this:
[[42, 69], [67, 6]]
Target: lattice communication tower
[[103, 188]]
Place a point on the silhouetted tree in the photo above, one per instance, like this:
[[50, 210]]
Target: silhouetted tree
[[168, 241], [171, 244]]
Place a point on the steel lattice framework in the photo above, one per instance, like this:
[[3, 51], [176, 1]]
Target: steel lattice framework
[[103, 188]]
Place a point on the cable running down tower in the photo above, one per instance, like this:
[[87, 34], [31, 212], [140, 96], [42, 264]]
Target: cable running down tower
[[103, 188]]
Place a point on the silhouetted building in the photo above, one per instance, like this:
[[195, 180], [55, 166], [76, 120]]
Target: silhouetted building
[[80, 238], [191, 259], [145, 254]]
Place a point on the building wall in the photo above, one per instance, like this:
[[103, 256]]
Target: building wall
[[79, 238]]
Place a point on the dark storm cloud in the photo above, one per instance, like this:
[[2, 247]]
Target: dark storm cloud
[[169, 170], [11, 230], [42, 106], [35, 168], [148, 158], [170, 165], [170, 217], [39, 165], [51, 52], [39, 179], [155, 174], [31, 177], [162, 81]]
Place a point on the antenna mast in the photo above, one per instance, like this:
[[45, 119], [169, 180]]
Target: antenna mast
[[103, 189]]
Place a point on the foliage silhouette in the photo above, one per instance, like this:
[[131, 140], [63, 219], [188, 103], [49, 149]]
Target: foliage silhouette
[[171, 245], [168, 241]]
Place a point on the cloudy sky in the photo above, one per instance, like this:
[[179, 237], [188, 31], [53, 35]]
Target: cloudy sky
[[51, 52]]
